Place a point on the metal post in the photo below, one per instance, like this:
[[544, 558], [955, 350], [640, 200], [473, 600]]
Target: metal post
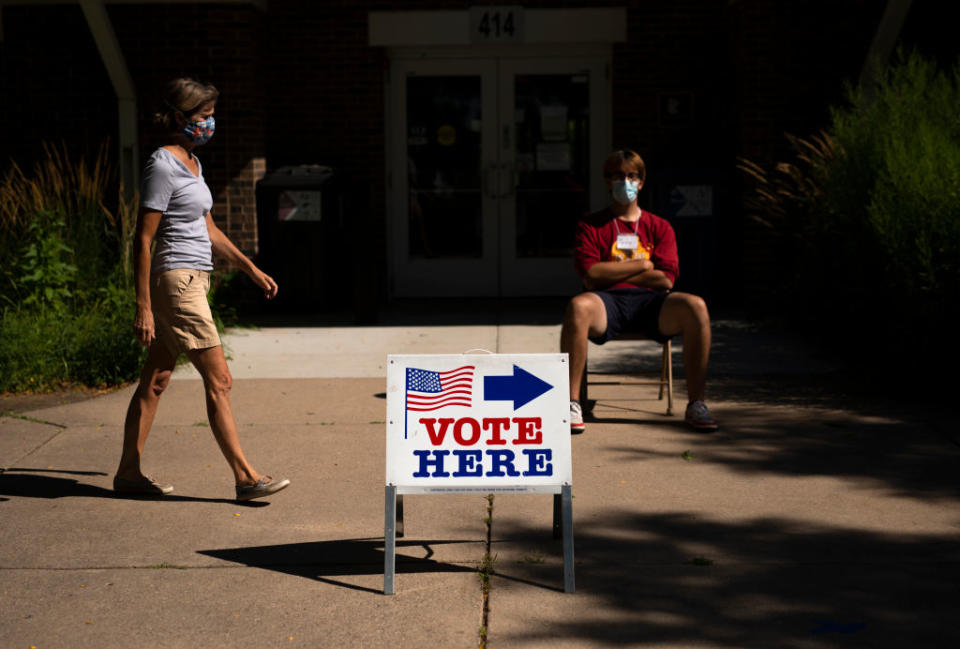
[[389, 539], [566, 495], [557, 516]]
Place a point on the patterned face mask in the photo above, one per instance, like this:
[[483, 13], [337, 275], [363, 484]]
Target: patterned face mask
[[624, 191], [200, 132]]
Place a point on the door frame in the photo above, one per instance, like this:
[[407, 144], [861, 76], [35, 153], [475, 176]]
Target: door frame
[[454, 277], [548, 275], [449, 277]]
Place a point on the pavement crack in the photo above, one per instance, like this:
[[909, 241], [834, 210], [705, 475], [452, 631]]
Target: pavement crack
[[14, 415], [486, 570], [60, 428]]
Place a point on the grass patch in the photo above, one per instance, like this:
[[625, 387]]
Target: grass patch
[[30, 419], [534, 558]]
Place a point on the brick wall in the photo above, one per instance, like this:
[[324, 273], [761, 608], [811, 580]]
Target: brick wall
[[53, 86], [792, 61], [223, 45]]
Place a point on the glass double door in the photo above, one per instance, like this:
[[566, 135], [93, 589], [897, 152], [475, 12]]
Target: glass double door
[[493, 162]]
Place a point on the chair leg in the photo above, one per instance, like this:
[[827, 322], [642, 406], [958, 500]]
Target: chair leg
[[668, 362], [663, 371]]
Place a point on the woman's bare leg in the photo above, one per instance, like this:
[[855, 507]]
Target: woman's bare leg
[[154, 379], [217, 382]]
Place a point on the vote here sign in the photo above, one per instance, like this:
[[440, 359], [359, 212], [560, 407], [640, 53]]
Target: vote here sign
[[478, 423]]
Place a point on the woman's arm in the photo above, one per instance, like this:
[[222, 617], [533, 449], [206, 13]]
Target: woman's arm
[[147, 223], [223, 247]]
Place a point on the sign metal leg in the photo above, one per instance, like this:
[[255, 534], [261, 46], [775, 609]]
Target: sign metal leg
[[389, 539], [557, 516], [566, 497]]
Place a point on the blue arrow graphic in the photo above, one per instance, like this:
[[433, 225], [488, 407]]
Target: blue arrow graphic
[[523, 387]]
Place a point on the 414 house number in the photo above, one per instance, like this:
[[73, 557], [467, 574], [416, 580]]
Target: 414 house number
[[496, 24]]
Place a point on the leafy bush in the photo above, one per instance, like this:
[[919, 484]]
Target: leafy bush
[[30, 350], [44, 275], [901, 176], [41, 348], [872, 210], [66, 277], [101, 347]]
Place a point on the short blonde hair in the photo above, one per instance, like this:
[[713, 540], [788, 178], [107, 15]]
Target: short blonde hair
[[625, 156], [184, 96]]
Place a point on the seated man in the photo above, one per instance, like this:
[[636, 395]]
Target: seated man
[[627, 259]]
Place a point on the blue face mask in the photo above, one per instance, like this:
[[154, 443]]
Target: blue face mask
[[200, 132], [624, 191]]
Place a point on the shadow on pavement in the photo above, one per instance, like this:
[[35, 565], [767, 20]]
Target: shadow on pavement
[[679, 579], [24, 484], [761, 583], [320, 560], [750, 362], [18, 469], [904, 457]]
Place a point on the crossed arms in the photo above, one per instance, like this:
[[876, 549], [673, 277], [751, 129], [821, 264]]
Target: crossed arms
[[639, 272]]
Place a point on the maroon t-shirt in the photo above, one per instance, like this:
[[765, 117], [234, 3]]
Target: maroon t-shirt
[[597, 241]]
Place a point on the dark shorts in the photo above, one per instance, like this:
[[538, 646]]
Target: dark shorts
[[631, 312]]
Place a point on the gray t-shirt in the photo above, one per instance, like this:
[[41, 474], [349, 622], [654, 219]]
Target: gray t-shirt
[[184, 199]]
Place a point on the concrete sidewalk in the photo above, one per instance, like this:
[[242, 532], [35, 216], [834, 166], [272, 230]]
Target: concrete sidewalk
[[810, 520]]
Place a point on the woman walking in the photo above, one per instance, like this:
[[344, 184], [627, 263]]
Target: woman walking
[[172, 314]]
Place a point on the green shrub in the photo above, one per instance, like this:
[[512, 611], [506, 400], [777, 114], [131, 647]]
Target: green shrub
[[872, 210], [44, 274], [899, 174], [101, 347], [29, 350], [66, 283], [43, 348]]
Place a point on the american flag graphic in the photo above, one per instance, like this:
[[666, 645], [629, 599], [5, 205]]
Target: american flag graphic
[[429, 390]]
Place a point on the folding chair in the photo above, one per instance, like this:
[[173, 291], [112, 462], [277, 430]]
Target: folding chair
[[665, 382]]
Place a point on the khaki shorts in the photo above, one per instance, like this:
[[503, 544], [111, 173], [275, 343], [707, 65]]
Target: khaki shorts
[[181, 313]]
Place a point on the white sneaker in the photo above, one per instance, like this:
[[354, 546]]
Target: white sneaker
[[576, 418], [698, 416]]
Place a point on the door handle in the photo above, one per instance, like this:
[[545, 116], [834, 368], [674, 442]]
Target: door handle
[[508, 170], [499, 180], [485, 185]]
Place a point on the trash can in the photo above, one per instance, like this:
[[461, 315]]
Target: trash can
[[300, 226]]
